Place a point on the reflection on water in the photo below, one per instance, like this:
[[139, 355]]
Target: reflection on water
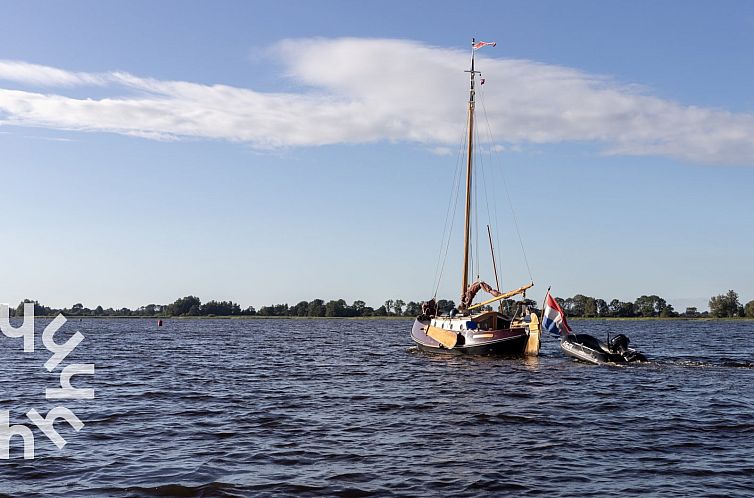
[[350, 408]]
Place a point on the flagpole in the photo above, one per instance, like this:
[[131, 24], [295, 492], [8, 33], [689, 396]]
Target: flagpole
[[543, 309]]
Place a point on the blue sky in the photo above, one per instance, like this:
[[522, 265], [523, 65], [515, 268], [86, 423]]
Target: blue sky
[[273, 153]]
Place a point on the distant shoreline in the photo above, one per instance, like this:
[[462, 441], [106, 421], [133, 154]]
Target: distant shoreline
[[258, 317], [579, 306], [228, 317]]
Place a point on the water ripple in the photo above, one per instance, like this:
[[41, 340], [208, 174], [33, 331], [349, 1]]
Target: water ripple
[[348, 408]]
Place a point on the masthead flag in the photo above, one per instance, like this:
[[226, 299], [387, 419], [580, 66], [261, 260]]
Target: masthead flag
[[479, 45], [553, 317]]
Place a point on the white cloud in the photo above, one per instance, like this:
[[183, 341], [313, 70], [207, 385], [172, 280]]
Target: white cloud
[[367, 90], [50, 139], [441, 151], [505, 148], [34, 74]]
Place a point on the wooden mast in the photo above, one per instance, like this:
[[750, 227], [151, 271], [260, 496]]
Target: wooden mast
[[469, 158]]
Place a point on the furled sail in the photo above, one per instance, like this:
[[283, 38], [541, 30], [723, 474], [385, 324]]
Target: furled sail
[[473, 289]]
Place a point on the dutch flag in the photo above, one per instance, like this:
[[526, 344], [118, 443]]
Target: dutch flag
[[553, 317], [481, 44]]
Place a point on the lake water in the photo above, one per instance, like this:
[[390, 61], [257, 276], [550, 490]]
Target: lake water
[[350, 408]]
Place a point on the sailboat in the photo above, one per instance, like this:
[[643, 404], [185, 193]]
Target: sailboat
[[477, 329]]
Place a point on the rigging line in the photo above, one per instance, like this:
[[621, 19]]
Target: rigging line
[[493, 174], [447, 230], [474, 222], [442, 258], [475, 226], [510, 202], [481, 168], [476, 206], [454, 188]]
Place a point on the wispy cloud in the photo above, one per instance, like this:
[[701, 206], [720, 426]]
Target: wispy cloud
[[49, 139], [367, 90], [35, 74], [441, 151]]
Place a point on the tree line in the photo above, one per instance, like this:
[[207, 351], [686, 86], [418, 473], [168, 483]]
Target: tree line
[[722, 306], [193, 306], [579, 306]]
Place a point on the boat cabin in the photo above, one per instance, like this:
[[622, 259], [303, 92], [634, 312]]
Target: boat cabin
[[488, 320]]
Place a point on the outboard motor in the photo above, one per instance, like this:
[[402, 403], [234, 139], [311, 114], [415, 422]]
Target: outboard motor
[[619, 344]]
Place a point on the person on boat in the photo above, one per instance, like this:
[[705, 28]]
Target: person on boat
[[522, 311], [429, 308]]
